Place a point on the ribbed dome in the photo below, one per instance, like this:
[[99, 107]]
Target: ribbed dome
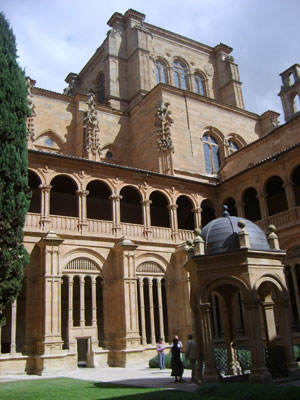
[[221, 234]]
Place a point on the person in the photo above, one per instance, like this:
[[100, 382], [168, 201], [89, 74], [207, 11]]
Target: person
[[176, 363], [191, 355], [160, 348], [180, 345]]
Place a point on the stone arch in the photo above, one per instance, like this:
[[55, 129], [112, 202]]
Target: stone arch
[[231, 204], [130, 205], [98, 202], [159, 212], [213, 284], [49, 141], [34, 182], [185, 214], [63, 197], [154, 258], [92, 256], [161, 67], [208, 212], [271, 280], [251, 204], [276, 195]]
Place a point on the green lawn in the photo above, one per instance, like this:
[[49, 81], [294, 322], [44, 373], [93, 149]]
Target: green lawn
[[72, 389]]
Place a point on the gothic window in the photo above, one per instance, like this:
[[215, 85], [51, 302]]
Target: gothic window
[[101, 88], [276, 198], [232, 146], [180, 75], [161, 72], [211, 154], [199, 84]]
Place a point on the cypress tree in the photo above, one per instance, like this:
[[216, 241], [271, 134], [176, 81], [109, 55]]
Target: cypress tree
[[14, 189]]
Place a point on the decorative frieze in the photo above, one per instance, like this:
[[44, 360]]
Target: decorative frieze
[[91, 142], [163, 122]]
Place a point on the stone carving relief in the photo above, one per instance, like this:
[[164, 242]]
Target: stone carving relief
[[209, 69], [91, 142], [163, 122], [30, 120]]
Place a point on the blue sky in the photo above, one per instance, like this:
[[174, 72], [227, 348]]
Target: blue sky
[[57, 37]]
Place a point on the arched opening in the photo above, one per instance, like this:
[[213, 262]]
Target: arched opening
[[232, 146], [276, 198], [295, 102], [251, 205], [159, 212], [98, 202], [64, 311], [292, 295], [88, 317], [161, 72], [296, 185], [63, 198], [180, 75], [130, 205], [230, 203], [76, 301], [211, 154], [34, 183], [100, 313], [185, 215], [21, 318], [207, 213], [199, 84]]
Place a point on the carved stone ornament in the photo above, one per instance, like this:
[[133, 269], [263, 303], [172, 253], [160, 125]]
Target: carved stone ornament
[[209, 69], [274, 121], [91, 144], [163, 122], [30, 120]]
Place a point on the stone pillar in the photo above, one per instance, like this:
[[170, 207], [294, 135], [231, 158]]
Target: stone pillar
[[290, 197], [173, 219], [197, 216], [45, 206], [13, 327], [82, 305], [262, 198], [94, 302], [160, 309], [50, 336], [82, 194], [210, 373], [70, 302], [270, 325], [143, 324], [147, 218], [259, 371], [286, 337], [151, 306], [116, 198]]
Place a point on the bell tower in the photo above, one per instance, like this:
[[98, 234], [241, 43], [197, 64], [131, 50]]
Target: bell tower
[[290, 92]]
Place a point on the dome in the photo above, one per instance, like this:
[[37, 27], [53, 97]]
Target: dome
[[221, 235]]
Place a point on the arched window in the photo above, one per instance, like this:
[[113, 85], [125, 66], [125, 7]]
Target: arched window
[[159, 212], [35, 201], [199, 84], [207, 213], [101, 88], [180, 75], [185, 215], [296, 185], [232, 146], [211, 154], [276, 198], [98, 203], [295, 99], [130, 206], [63, 199], [230, 203], [161, 72], [251, 205]]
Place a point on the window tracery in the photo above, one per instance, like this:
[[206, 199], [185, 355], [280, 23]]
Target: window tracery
[[161, 72], [180, 75], [211, 153]]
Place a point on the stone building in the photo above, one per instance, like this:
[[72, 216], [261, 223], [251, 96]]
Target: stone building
[[146, 144]]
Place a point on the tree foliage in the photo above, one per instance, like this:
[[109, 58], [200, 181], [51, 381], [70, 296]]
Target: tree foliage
[[14, 189]]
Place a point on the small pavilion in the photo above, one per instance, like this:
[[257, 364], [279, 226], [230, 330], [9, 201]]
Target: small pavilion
[[231, 255]]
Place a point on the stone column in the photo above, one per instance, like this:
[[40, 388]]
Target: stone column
[[262, 199], [116, 198], [160, 309], [270, 325], [82, 305], [210, 373], [289, 193], [13, 327], [147, 218], [259, 371], [143, 324], [286, 337], [173, 219], [240, 209], [94, 302], [151, 306], [197, 216], [82, 194], [70, 302], [45, 206]]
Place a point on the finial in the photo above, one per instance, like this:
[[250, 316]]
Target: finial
[[189, 242], [225, 212], [241, 224], [197, 232]]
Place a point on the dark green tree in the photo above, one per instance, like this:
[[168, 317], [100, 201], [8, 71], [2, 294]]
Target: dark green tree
[[14, 189]]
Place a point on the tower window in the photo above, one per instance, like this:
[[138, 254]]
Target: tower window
[[161, 73], [180, 75], [199, 84], [211, 154]]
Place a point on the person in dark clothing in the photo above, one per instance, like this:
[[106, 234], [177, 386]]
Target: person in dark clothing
[[176, 363]]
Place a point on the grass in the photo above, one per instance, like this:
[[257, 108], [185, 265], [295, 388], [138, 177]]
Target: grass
[[73, 389]]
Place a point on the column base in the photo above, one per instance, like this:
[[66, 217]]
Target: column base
[[260, 375], [211, 375]]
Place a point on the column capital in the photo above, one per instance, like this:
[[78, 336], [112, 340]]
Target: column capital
[[115, 197], [45, 187], [82, 193], [172, 207], [146, 202]]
